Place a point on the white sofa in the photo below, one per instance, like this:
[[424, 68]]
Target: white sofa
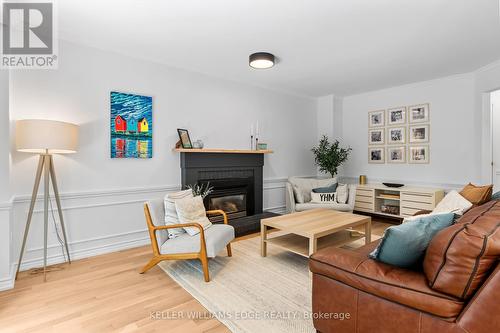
[[305, 185]]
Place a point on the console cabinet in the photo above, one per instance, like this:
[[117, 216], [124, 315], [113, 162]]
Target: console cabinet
[[396, 202]]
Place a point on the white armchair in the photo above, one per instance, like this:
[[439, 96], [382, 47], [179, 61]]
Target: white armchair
[[207, 244]]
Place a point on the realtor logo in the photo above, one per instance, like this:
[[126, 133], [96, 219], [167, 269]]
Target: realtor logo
[[28, 35]]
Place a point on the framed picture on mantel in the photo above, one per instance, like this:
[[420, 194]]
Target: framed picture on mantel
[[184, 138]]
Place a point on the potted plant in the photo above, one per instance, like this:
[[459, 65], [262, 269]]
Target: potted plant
[[329, 156]]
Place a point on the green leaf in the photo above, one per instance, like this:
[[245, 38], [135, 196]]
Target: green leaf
[[329, 156]]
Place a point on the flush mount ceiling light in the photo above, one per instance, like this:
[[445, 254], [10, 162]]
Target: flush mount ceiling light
[[261, 60]]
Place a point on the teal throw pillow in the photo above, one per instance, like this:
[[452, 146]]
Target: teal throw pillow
[[496, 196], [328, 189], [405, 244]]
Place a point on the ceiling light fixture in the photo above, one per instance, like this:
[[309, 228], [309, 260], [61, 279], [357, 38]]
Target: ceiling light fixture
[[261, 60]]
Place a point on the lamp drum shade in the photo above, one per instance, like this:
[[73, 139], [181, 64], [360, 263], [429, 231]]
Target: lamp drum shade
[[42, 136]]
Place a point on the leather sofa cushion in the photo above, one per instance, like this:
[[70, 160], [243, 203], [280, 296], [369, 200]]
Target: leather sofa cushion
[[460, 257], [398, 285]]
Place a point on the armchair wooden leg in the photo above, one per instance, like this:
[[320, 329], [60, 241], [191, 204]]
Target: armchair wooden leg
[[204, 264], [229, 252], [152, 263]]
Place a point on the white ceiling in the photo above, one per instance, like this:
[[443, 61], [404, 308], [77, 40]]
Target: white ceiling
[[332, 46]]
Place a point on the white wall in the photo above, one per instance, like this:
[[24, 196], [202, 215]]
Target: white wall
[[5, 195], [495, 119], [102, 196], [487, 79], [453, 135]]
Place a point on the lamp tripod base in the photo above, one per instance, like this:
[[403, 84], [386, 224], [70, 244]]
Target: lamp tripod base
[[45, 167]]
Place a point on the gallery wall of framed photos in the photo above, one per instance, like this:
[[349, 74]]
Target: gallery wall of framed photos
[[399, 135]]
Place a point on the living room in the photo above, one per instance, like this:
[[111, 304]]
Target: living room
[[245, 92]]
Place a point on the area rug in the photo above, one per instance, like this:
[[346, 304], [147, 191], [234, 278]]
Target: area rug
[[249, 293]]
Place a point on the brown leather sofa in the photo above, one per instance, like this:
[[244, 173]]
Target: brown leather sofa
[[456, 289]]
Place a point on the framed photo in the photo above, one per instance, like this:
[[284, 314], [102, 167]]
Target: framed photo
[[419, 113], [131, 125], [184, 137], [376, 118], [376, 155], [419, 133], [396, 116], [376, 137], [419, 154], [396, 135], [396, 154]]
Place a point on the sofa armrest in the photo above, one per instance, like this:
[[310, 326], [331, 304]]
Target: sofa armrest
[[402, 286], [477, 316], [289, 198]]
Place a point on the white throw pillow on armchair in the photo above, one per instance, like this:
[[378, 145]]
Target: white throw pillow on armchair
[[192, 210], [171, 212]]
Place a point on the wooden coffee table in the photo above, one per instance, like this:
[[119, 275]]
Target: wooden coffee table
[[306, 232]]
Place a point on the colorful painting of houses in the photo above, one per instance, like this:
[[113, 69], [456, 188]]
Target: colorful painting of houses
[[131, 125]]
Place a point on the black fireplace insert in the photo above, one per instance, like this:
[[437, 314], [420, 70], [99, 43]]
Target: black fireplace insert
[[232, 195]]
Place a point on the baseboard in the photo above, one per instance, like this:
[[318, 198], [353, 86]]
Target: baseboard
[[8, 282], [277, 209], [86, 253]]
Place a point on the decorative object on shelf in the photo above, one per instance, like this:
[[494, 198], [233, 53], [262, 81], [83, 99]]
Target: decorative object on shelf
[[261, 60], [389, 196], [395, 185], [419, 133], [198, 144], [257, 133], [396, 135], [362, 179], [184, 138], [202, 190], [376, 118], [262, 146], [389, 209], [396, 154], [419, 113], [252, 135], [376, 137], [329, 156], [376, 155], [419, 154], [45, 137], [396, 116], [131, 125]]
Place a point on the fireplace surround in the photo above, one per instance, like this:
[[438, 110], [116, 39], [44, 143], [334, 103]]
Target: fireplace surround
[[237, 180]]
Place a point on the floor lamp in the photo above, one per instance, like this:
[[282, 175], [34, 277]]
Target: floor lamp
[[45, 137]]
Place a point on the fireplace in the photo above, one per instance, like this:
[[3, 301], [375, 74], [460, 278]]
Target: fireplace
[[232, 195], [237, 182]]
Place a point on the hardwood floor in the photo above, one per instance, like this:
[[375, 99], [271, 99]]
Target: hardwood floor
[[106, 294]]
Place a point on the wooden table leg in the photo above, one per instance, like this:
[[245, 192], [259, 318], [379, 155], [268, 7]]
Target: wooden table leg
[[368, 231], [313, 245], [263, 237]]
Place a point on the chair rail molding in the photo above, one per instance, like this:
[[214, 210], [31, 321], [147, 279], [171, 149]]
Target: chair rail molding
[[101, 221]]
